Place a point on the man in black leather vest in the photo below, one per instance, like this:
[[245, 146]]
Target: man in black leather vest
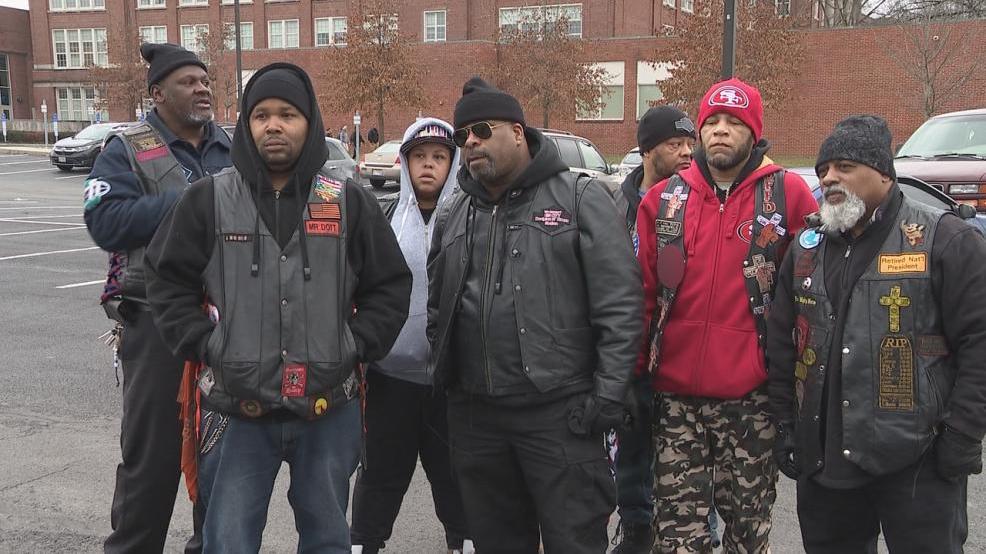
[[534, 319], [305, 282], [876, 343], [135, 181]]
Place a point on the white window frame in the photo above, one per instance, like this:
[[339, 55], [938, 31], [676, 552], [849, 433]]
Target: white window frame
[[76, 5], [688, 6], [283, 33], [192, 3], [75, 106], [332, 31], [151, 4], [787, 8], [198, 30], [650, 74], [436, 27], [615, 78], [96, 44], [246, 38], [231, 2], [510, 17], [154, 32]]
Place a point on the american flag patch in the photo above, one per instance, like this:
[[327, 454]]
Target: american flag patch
[[324, 210]]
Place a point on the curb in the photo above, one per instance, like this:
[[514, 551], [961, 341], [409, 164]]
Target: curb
[[25, 149]]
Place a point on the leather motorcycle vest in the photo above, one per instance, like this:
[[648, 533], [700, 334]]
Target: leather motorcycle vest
[[157, 171], [896, 371], [282, 339]]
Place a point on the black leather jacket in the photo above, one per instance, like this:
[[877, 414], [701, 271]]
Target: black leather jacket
[[557, 284]]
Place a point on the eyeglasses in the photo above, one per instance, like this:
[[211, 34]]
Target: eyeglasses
[[483, 130]]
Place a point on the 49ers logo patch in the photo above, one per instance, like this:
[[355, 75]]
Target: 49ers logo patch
[[745, 231], [552, 218]]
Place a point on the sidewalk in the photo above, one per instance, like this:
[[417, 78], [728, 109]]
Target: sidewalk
[[32, 149]]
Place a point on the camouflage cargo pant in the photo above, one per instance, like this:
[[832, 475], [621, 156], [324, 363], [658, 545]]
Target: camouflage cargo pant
[[714, 452]]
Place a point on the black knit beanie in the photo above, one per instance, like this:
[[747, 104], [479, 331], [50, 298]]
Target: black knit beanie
[[165, 58], [660, 123], [481, 101], [863, 139], [280, 83]]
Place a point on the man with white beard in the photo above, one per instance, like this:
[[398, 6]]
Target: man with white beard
[[875, 345]]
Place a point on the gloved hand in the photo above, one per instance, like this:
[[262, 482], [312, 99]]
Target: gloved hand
[[958, 455], [595, 415], [786, 450]]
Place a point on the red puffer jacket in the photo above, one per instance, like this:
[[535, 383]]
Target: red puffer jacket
[[710, 343]]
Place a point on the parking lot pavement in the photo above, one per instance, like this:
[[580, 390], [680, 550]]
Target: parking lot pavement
[[60, 405]]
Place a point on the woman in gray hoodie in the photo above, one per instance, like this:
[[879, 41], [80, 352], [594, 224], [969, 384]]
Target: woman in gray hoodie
[[404, 416]]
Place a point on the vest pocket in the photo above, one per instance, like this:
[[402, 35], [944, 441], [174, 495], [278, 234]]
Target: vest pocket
[[240, 379]]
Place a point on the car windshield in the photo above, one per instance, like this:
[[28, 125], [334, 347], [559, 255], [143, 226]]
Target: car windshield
[[955, 136], [95, 132], [633, 158], [335, 151], [390, 147]]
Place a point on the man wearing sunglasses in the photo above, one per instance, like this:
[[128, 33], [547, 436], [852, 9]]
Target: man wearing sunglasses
[[533, 315]]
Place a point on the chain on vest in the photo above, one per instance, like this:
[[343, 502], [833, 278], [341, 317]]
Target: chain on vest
[[768, 238], [896, 371], [282, 341], [157, 171]]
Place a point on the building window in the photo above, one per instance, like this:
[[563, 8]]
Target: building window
[[330, 31], [688, 6], [375, 24], [527, 18], [648, 90], [611, 95], [282, 33], [74, 104], [79, 48], [231, 2], [669, 3], [192, 36], [246, 36], [76, 5], [435, 26], [193, 2], [782, 7], [4, 86], [154, 35], [149, 4]]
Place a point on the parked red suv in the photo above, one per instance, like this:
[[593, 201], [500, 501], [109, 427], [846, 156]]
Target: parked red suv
[[949, 152]]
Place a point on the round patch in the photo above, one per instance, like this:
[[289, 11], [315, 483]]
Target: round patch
[[729, 96], [250, 408], [809, 357], [321, 405], [806, 284], [810, 239], [745, 231], [802, 332]]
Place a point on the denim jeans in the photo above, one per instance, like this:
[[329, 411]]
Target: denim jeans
[[635, 459], [236, 477]]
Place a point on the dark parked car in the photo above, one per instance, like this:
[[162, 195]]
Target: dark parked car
[[82, 149], [913, 188], [949, 152]]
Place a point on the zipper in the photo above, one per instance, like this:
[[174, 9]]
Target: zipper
[[277, 213], [484, 319], [712, 289]]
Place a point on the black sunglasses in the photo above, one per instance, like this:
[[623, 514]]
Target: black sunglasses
[[483, 130]]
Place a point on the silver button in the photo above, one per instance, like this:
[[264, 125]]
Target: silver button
[[527, 369], [818, 463], [284, 353], [815, 418], [516, 287], [284, 258], [831, 317], [845, 349], [284, 301], [746, 262], [845, 403], [821, 369], [523, 331], [515, 252], [846, 453]]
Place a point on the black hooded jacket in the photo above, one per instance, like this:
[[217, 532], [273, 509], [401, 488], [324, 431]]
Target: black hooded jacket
[[535, 295], [180, 251]]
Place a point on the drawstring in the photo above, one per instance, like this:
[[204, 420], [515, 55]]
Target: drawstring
[[302, 239], [498, 284], [255, 265]]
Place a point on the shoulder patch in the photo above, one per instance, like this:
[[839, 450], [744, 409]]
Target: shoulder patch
[[810, 239], [94, 191]]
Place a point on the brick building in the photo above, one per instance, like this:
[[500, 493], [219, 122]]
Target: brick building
[[15, 63], [453, 39]]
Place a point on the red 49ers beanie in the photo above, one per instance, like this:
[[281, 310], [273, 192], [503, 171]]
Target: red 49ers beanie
[[736, 98]]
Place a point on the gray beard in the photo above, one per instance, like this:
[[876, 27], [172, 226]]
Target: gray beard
[[843, 216], [485, 175]]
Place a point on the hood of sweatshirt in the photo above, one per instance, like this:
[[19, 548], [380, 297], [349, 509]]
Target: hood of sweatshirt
[[408, 359], [545, 163]]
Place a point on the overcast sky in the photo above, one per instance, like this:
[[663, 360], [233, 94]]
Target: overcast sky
[[22, 4]]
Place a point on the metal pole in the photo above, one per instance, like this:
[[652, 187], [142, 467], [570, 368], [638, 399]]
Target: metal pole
[[729, 39], [239, 54], [359, 120]]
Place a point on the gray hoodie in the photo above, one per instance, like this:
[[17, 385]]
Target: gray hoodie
[[408, 359]]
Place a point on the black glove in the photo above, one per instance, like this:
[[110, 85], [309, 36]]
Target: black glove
[[595, 415], [786, 451], [959, 455]]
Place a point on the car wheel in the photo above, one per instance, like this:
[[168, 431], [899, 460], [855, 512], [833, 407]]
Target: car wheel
[[65, 167], [377, 183]]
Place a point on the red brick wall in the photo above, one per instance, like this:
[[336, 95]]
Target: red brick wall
[[15, 42]]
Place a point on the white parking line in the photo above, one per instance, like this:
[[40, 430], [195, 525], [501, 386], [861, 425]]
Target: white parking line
[[76, 207], [47, 216], [87, 283], [35, 254], [41, 231], [72, 176], [26, 171], [6, 220], [27, 162]]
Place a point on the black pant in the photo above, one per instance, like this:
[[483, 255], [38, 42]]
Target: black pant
[[521, 470], [150, 434], [918, 511], [403, 420]]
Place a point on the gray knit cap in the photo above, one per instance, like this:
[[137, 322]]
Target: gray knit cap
[[863, 139]]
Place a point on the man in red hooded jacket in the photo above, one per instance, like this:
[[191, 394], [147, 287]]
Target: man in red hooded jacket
[[711, 240]]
